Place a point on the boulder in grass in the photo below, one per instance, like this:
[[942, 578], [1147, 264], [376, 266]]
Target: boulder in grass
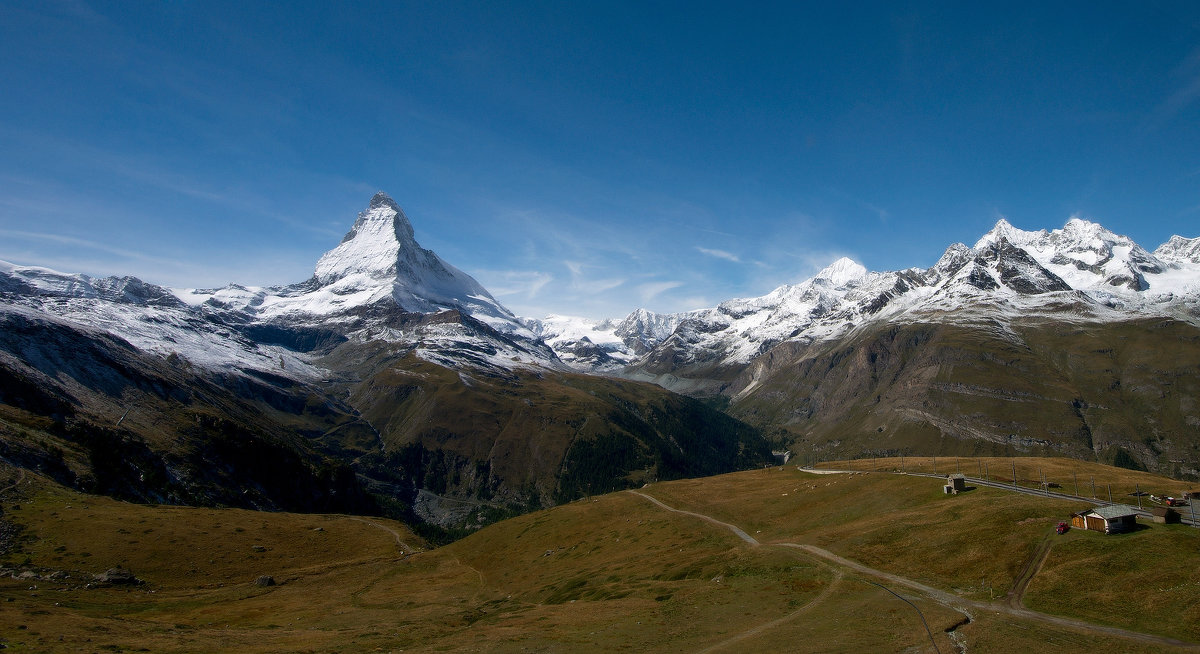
[[265, 580], [118, 577]]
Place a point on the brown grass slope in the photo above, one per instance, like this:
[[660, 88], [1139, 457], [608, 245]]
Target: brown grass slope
[[608, 573]]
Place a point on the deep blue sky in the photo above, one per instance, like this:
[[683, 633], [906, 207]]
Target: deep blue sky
[[586, 158]]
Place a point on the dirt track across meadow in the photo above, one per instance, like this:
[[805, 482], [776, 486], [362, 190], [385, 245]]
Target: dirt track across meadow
[[1011, 606]]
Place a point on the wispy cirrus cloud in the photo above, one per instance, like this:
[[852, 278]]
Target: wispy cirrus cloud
[[598, 285], [522, 283], [147, 171], [720, 254], [1185, 93], [882, 213], [581, 282], [648, 292], [83, 243]]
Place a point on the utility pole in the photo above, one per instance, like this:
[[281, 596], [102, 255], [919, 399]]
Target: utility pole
[[1076, 478], [1093, 488], [1014, 467], [1138, 490], [986, 477], [1110, 494]]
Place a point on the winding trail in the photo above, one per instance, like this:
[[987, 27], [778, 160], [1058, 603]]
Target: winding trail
[[404, 548], [1034, 565], [960, 604], [821, 597], [940, 596], [20, 480], [734, 528]]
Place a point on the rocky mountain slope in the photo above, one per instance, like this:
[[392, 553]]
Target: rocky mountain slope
[[1073, 341], [389, 381]]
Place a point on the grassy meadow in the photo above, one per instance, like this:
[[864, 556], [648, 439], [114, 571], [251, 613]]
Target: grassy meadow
[[607, 573]]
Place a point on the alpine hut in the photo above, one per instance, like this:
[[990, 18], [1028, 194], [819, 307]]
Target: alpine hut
[[1114, 519]]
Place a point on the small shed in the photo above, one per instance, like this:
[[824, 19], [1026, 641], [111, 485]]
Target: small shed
[[1165, 515], [956, 483], [1114, 519]]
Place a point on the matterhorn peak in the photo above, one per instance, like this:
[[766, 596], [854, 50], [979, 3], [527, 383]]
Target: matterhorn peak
[[380, 258], [380, 238], [381, 216], [381, 199]]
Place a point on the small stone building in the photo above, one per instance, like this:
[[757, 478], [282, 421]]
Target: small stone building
[[1115, 519], [955, 484], [1165, 515]]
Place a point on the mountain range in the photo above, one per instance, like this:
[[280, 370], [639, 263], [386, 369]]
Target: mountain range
[[392, 382], [1008, 276], [1075, 342]]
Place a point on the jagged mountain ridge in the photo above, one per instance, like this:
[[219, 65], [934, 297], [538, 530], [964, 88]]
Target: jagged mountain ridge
[[1081, 271]]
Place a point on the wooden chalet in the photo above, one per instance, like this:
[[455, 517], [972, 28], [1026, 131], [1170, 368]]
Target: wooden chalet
[[1115, 519]]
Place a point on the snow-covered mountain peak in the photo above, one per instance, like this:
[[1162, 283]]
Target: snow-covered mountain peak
[[1077, 234], [1080, 235], [952, 259], [380, 238], [378, 260], [1081, 228], [1003, 230], [1083, 253], [842, 272], [1179, 250]]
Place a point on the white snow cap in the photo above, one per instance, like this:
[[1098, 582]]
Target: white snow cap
[[1179, 250], [842, 272], [373, 245], [1004, 229], [379, 259]]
